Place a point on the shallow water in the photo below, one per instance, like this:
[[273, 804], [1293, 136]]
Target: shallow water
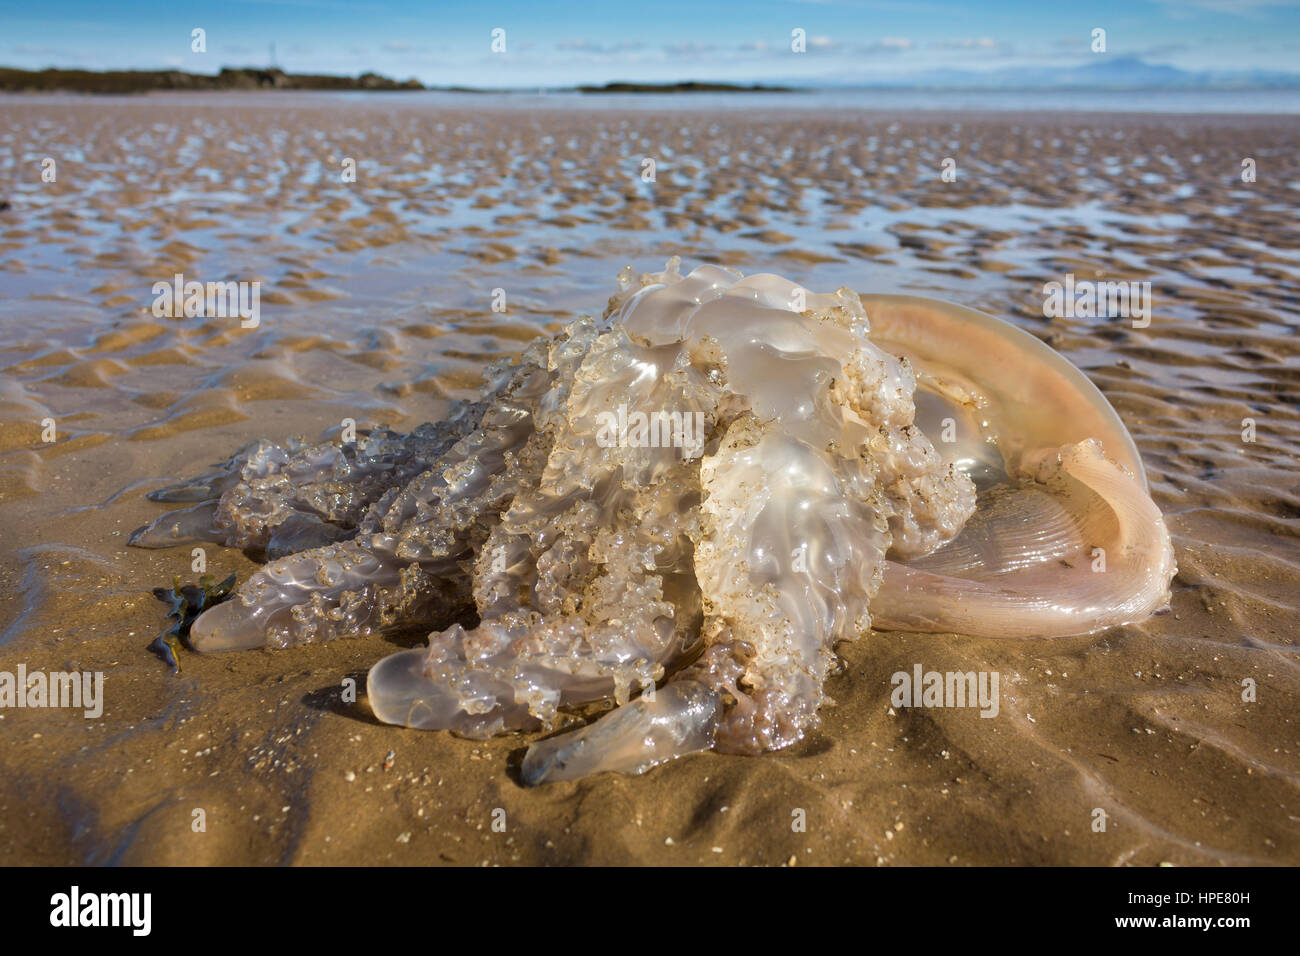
[[376, 305]]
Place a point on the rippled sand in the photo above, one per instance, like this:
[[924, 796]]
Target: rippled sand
[[376, 305]]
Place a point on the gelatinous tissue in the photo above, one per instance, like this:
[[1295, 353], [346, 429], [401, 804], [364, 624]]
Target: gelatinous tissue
[[682, 508]]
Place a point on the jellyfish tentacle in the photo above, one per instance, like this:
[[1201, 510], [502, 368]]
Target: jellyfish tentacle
[[350, 588], [680, 719], [320, 491], [787, 562], [383, 579], [577, 607], [192, 525], [282, 499], [412, 546]]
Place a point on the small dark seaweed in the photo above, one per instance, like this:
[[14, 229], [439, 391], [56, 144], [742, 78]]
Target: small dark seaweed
[[185, 603]]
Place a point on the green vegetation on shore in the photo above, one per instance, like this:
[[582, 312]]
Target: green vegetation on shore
[[254, 78], [144, 81]]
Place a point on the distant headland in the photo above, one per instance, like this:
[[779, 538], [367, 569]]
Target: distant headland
[[272, 78], [230, 78], [690, 86]]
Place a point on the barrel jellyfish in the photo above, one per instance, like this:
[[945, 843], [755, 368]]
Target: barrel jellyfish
[[680, 509]]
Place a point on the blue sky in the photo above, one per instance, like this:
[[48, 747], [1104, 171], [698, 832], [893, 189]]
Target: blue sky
[[565, 41]]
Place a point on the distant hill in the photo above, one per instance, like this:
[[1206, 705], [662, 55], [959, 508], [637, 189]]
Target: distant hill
[[144, 81], [1109, 72]]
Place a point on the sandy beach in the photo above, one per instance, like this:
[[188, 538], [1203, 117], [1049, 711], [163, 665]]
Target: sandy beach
[[377, 306]]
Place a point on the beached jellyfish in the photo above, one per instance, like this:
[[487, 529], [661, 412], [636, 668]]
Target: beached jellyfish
[[683, 507]]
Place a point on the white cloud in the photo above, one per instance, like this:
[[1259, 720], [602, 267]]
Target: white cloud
[[592, 46], [969, 43]]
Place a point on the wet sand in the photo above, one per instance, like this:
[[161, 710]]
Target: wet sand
[[376, 306]]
